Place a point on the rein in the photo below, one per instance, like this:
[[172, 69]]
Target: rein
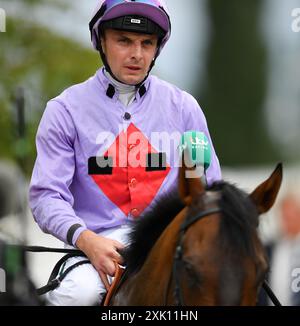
[[46, 249], [178, 295]]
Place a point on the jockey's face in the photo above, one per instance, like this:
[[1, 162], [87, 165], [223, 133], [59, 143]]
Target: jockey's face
[[128, 54]]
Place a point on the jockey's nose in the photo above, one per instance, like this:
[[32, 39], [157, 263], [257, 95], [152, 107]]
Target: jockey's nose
[[136, 51]]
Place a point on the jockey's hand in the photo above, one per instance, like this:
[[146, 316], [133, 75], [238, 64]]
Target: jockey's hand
[[102, 252]]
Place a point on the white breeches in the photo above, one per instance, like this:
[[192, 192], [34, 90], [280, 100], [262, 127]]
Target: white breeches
[[83, 286]]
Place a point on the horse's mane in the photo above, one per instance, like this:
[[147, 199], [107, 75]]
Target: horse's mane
[[148, 228], [239, 219]]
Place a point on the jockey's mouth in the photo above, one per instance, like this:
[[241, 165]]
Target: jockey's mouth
[[134, 68]]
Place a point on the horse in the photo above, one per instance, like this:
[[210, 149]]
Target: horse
[[199, 247]]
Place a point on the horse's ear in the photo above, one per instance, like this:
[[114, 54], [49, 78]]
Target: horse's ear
[[265, 194], [189, 185]]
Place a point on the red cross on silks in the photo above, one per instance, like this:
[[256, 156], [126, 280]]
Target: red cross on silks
[[135, 173]]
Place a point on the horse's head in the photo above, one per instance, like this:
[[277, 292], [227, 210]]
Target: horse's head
[[219, 258], [201, 250]]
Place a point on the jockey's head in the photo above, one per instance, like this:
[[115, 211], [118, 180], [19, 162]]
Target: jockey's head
[[130, 36]]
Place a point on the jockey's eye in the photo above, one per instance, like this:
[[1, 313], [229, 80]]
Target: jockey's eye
[[148, 42], [124, 40]]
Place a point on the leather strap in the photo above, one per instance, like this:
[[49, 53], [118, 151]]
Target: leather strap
[[119, 272]]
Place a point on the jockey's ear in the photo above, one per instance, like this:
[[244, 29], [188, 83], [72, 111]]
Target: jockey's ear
[[190, 186], [265, 194]]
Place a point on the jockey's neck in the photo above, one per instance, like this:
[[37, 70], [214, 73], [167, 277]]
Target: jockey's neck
[[126, 92]]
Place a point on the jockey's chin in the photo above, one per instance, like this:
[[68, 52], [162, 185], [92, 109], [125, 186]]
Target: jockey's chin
[[132, 76]]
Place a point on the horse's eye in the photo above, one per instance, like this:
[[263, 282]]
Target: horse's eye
[[193, 275]]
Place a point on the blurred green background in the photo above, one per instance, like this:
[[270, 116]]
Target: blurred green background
[[37, 64]]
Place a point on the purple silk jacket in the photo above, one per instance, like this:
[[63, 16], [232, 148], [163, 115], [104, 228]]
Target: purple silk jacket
[[94, 167]]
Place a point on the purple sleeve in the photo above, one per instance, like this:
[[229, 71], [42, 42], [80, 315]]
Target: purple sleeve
[[195, 120], [49, 196]]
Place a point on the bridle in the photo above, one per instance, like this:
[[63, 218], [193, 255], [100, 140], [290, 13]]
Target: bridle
[[177, 262]]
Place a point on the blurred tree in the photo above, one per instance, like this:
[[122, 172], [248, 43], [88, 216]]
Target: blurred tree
[[235, 86], [43, 64], [55, 3]]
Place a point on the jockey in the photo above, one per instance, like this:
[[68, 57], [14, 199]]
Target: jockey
[[96, 143]]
